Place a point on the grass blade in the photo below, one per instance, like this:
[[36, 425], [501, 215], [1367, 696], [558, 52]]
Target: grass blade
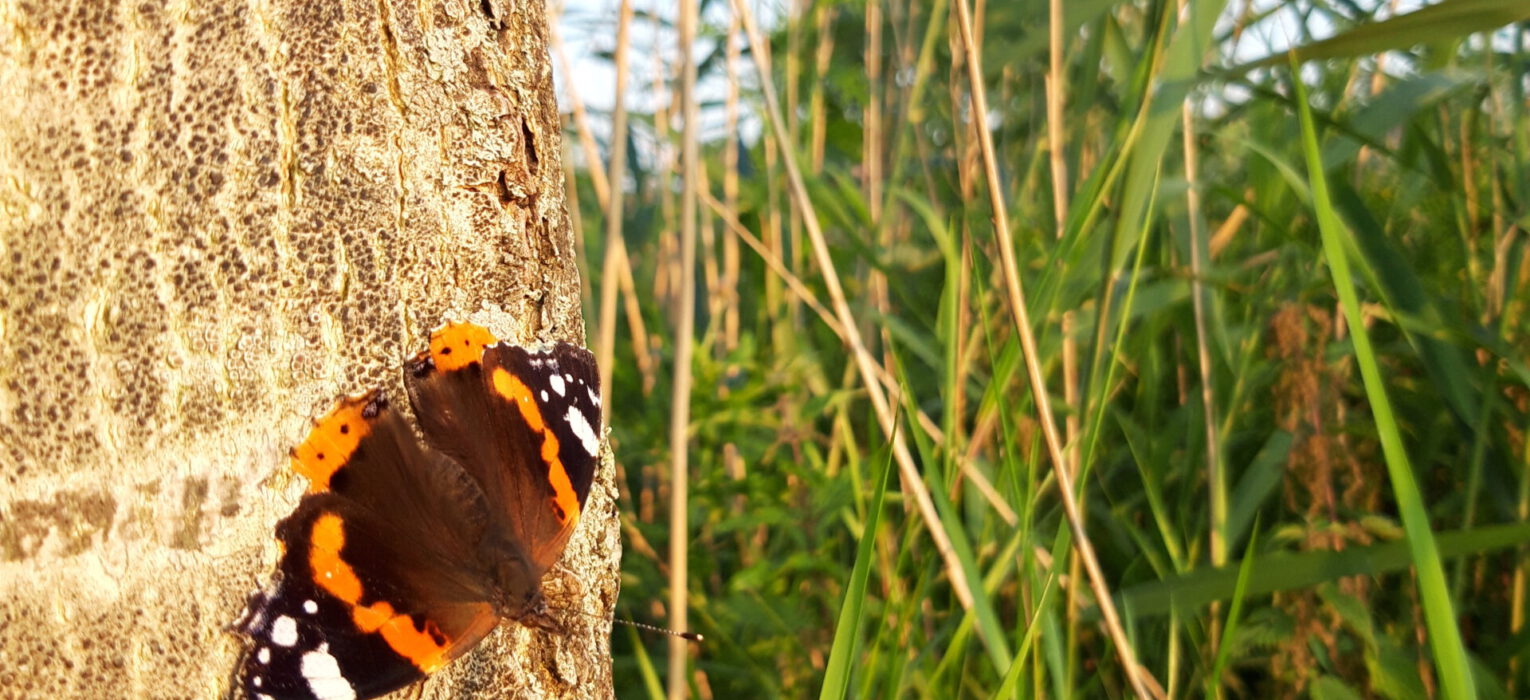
[[1230, 629], [646, 670], [1284, 571], [836, 681], [1439, 613], [1450, 19], [1012, 677]]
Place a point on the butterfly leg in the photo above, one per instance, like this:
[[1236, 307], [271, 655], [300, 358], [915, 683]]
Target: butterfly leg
[[537, 616]]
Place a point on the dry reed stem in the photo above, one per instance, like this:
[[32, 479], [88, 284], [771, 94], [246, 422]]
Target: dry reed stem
[[817, 115], [1057, 92], [964, 143], [1067, 492], [711, 271], [581, 122], [664, 162], [731, 259], [871, 170], [1218, 506], [680, 406], [911, 480], [1056, 96], [1216, 489], [600, 182], [1227, 230], [615, 247], [1214, 481], [641, 352], [793, 137], [871, 134], [1522, 569], [576, 222]]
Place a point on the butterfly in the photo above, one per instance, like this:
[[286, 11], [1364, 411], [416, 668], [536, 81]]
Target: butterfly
[[404, 552]]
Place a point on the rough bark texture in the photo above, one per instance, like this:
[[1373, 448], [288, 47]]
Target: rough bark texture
[[215, 218]]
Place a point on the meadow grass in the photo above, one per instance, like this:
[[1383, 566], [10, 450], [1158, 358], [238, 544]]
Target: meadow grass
[[1245, 406]]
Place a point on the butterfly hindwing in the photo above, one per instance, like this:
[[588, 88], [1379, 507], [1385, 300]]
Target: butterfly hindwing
[[338, 621], [378, 583]]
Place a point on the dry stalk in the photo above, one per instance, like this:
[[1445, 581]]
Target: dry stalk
[[615, 246], [680, 406]]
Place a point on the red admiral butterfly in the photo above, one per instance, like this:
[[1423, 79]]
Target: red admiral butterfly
[[403, 554]]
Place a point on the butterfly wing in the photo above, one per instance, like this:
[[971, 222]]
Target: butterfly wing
[[523, 422], [376, 585]]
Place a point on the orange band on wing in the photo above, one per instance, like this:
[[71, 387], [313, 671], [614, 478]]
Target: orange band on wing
[[512, 388], [426, 648], [457, 345], [332, 442]]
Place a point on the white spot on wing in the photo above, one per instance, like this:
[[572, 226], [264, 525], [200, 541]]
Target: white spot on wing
[[264, 655], [557, 385], [257, 681], [323, 675], [583, 431], [284, 631], [594, 397], [310, 607], [544, 396]]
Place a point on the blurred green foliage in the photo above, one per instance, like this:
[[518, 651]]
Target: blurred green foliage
[[1424, 153]]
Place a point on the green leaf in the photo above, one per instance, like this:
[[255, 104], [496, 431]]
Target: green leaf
[[645, 666], [1259, 480], [1284, 571], [1330, 688], [1182, 62], [1230, 631], [1006, 688], [1439, 613], [1447, 20], [847, 631]]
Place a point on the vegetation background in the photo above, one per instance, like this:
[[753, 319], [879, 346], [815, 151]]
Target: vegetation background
[[1281, 328]]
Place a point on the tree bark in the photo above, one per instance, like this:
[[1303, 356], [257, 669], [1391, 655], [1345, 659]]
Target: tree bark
[[215, 218]]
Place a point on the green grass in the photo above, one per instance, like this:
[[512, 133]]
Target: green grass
[[1439, 613], [847, 632], [1364, 287]]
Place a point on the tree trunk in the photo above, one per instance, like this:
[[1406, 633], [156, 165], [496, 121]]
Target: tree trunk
[[215, 218]]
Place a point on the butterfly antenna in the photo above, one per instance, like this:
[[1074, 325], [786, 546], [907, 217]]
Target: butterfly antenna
[[690, 636]]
